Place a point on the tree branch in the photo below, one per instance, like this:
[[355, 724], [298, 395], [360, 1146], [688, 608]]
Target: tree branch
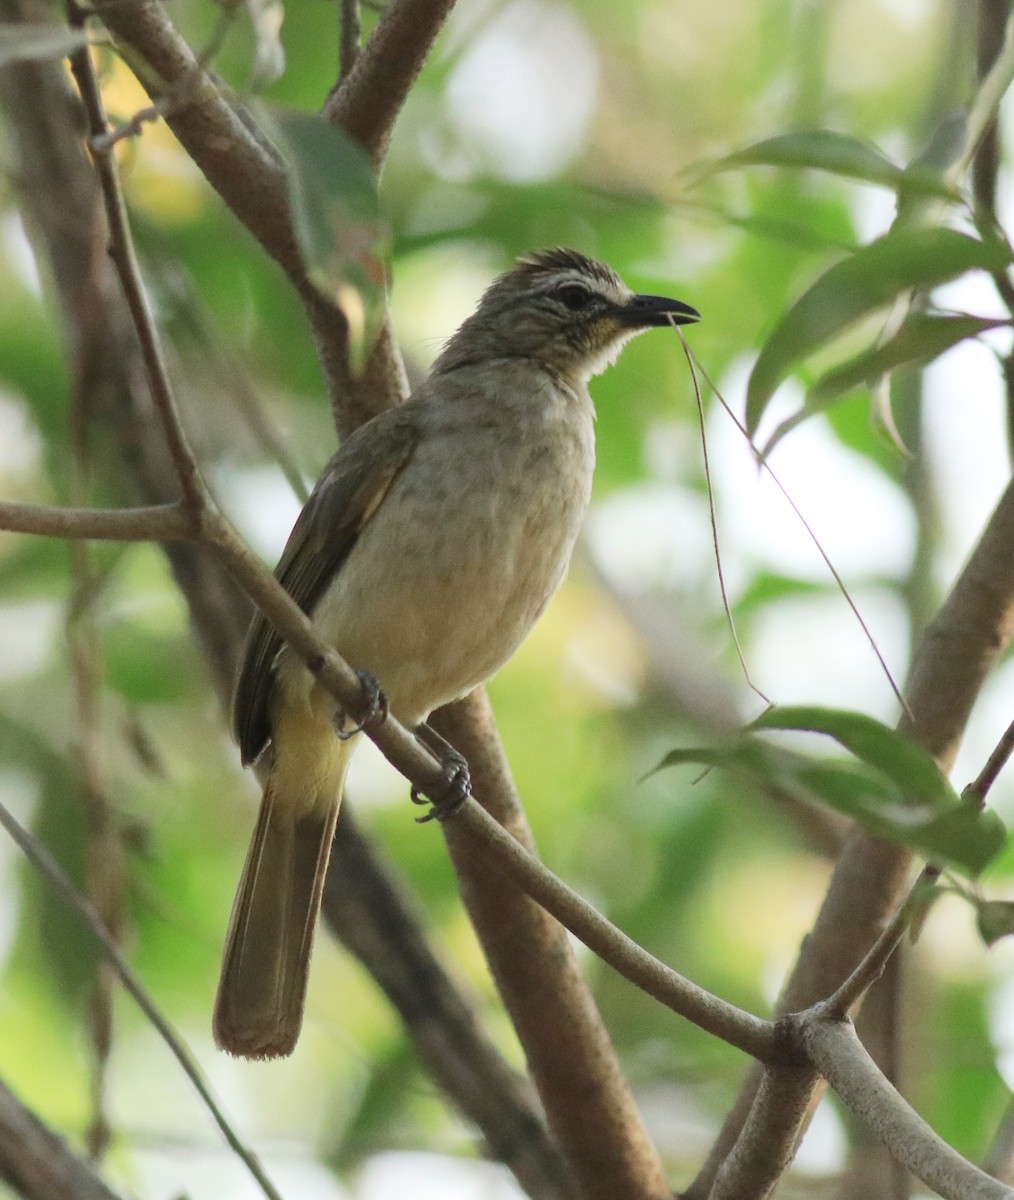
[[155, 523], [367, 102], [46, 865], [956, 653], [770, 1137], [38, 1164], [834, 1048], [121, 245], [504, 851], [374, 917], [588, 1102]]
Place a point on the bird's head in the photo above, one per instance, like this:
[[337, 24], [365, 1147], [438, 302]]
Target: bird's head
[[562, 309]]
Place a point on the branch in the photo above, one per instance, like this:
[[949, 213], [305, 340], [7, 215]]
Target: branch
[[957, 651], [235, 157], [977, 791], [46, 865], [349, 37], [770, 1137], [850, 994], [155, 523], [38, 1164], [367, 102], [588, 1103], [370, 912], [125, 259], [503, 851], [837, 1052]]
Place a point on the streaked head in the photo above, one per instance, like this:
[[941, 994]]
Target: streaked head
[[563, 309]]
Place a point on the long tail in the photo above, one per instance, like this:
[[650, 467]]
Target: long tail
[[262, 989]]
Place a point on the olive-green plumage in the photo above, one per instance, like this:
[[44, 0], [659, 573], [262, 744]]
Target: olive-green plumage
[[432, 542]]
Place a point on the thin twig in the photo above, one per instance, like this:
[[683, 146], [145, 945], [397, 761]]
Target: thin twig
[[155, 523], [766, 466], [125, 259], [978, 789], [350, 37], [180, 92], [839, 1004], [46, 865], [986, 104]]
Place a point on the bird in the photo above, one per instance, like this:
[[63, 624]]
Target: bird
[[431, 543]]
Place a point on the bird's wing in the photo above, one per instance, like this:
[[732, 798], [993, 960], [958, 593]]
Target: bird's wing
[[349, 492]]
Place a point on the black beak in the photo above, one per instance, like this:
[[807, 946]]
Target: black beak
[[644, 311]]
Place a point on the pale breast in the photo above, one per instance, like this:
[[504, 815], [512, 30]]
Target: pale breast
[[465, 551]]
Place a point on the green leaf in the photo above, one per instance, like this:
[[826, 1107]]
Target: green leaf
[[994, 919], [821, 150], [907, 765], [894, 789], [337, 217], [922, 338], [861, 284], [41, 42]]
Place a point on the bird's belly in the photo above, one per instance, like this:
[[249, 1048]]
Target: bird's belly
[[444, 584]]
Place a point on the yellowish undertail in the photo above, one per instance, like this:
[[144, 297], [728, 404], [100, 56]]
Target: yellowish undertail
[[262, 989]]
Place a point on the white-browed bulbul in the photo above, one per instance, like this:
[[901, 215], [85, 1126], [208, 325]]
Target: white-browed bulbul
[[430, 545]]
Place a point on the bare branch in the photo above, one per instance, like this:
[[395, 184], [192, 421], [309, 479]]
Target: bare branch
[[977, 791], [840, 1003], [349, 38], [125, 259], [239, 163], [739, 1028], [46, 865], [243, 167], [367, 102], [37, 1163], [959, 648], [588, 1103], [837, 1052], [375, 919], [770, 1137], [156, 523]]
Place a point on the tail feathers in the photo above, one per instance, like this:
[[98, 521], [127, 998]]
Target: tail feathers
[[259, 1008]]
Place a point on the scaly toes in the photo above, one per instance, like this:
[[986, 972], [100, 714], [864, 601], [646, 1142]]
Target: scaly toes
[[448, 793], [374, 704]]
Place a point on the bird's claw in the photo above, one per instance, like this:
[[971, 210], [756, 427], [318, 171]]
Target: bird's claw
[[375, 704], [449, 792]]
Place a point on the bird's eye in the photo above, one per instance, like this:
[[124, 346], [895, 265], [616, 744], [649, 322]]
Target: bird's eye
[[573, 296]]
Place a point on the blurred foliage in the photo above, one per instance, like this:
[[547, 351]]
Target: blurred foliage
[[783, 251]]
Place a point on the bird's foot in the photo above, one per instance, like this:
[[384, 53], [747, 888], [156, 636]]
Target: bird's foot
[[453, 788], [374, 704]]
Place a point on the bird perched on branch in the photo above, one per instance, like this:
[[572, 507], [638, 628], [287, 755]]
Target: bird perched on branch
[[432, 542]]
